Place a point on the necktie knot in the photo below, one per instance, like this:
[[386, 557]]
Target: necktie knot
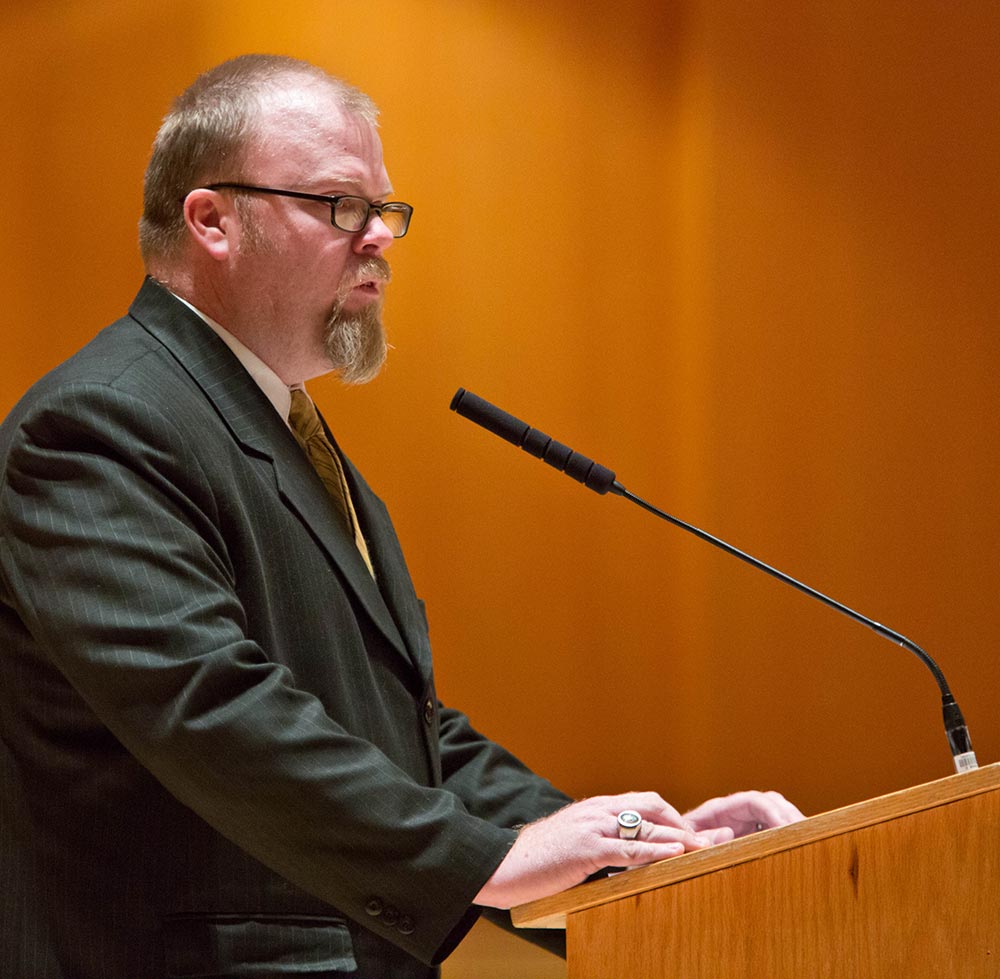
[[304, 418]]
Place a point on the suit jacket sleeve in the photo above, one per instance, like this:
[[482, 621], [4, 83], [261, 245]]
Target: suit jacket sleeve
[[489, 780]]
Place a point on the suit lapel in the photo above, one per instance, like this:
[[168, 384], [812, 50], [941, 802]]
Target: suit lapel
[[256, 426], [394, 579]]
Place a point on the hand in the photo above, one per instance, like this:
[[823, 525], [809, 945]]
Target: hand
[[563, 849], [742, 813]]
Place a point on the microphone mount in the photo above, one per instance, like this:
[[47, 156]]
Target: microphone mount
[[602, 481]]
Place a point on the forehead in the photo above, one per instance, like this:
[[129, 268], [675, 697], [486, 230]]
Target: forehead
[[305, 136]]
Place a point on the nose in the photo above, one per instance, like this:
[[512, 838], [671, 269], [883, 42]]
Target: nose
[[375, 238]]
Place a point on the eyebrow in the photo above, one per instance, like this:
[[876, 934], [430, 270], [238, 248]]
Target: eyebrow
[[351, 183]]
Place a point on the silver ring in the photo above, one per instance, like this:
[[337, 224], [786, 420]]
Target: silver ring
[[629, 824]]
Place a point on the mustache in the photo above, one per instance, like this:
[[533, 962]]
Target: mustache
[[373, 268]]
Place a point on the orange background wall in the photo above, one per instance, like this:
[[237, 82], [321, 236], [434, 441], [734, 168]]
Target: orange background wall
[[744, 254]]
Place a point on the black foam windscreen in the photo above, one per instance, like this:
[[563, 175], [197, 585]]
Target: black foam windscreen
[[592, 474]]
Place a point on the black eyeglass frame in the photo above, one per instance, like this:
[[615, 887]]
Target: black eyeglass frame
[[391, 207]]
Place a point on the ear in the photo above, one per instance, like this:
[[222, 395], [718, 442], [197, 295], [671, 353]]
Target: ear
[[212, 221]]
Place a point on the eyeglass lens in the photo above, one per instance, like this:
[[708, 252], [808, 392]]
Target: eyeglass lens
[[351, 214]]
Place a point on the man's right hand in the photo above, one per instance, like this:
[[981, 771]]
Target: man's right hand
[[565, 848]]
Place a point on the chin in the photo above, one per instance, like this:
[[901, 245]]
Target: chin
[[355, 344]]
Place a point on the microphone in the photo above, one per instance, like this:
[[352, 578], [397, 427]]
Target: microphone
[[602, 480], [593, 475]]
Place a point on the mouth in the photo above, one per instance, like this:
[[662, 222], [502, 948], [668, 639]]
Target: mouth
[[370, 277]]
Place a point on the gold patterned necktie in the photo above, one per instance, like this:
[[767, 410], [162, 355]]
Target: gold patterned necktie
[[308, 430]]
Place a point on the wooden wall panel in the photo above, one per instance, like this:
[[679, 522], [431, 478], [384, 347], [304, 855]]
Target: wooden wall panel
[[743, 257]]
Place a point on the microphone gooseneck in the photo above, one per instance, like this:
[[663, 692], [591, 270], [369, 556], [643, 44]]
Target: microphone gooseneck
[[602, 480]]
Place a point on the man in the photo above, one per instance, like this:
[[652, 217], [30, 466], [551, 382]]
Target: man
[[222, 753]]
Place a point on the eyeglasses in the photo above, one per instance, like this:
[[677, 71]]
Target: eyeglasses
[[348, 213]]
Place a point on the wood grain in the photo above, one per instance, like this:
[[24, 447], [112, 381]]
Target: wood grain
[[907, 885]]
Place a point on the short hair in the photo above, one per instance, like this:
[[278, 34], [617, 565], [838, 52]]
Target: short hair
[[207, 131]]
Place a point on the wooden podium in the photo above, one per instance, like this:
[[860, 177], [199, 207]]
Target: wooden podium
[[904, 886]]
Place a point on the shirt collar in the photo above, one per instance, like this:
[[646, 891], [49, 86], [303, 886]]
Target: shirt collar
[[274, 388]]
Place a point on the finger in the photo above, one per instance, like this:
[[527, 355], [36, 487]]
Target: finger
[[720, 834], [654, 833], [657, 842], [756, 810], [649, 805], [637, 853], [773, 809]]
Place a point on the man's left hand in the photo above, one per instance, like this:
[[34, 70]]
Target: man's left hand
[[740, 814]]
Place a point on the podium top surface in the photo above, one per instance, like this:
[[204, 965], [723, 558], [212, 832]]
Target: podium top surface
[[551, 912]]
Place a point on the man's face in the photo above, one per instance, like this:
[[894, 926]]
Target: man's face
[[321, 287]]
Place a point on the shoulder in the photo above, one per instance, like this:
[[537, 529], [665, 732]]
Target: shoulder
[[120, 379], [140, 361]]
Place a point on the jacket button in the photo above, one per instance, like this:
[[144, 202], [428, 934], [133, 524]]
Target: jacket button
[[390, 916], [373, 907], [429, 711], [406, 925]]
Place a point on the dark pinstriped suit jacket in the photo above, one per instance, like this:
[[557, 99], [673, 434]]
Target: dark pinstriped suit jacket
[[220, 748]]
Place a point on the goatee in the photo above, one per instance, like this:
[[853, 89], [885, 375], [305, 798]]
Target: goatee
[[355, 343]]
